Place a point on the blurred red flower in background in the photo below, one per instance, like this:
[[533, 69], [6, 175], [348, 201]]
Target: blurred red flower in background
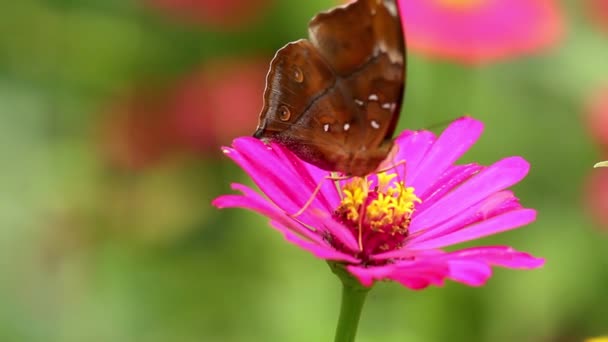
[[224, 14], [197, 113], [598, 10], [596, 117], [596, 195], [134, 129], [596, 190], [480, 31], [218, 103]]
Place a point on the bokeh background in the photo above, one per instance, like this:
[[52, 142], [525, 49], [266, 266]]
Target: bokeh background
[[111, 117]]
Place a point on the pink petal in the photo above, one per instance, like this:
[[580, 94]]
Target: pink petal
[[503, 256], [412, 147], [321, 252], [453, 177], [450, 146], [253, 201], [486, 31], [402, 253], [339, 231], [312, 176], [472, 265], [271, 175], [472, 273], [495, 178], [497, 224], [496, 204], [317, 245], [420, 276], [367, 276], [412, 274], [430, 267]]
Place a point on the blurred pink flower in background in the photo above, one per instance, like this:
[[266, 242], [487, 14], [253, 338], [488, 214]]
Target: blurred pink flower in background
[[596, 189], [195, 114], [596, 117], [134, 132], [226, 14], [480, 31], [598, 10], [393, 225], [219, 102], [596, 196]]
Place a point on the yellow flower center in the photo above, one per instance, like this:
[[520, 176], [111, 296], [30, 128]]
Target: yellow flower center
[[379, 214], [460, 4]]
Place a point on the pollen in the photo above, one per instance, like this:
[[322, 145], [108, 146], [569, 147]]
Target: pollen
[[378, 210]]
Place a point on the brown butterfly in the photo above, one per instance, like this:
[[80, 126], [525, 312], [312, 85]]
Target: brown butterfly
[[334, 99]]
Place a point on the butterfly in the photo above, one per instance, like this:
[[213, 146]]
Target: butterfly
[[334, 99]]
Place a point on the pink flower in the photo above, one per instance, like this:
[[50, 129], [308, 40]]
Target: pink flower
[[478, 31], [407, 215]]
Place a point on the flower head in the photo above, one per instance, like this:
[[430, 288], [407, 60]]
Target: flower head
[[393, 225], [477, 31]]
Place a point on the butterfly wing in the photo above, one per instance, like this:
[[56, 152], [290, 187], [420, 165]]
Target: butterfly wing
[[363, 43], [298, 76], [335, 98]]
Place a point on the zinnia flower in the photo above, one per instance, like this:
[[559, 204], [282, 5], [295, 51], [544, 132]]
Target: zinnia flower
[[476, 31], [393, 225]]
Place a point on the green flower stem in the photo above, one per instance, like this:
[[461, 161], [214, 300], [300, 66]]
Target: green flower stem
[[353, 298], [350, 312]]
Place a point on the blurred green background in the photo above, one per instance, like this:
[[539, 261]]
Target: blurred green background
[[109, 140]]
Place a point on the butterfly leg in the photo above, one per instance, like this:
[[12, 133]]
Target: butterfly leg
[[316, 192]]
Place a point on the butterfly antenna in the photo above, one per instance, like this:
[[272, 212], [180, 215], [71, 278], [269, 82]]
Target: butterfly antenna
[[440, 125]]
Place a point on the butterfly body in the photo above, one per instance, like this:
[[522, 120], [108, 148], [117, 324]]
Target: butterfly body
[[334, 99]]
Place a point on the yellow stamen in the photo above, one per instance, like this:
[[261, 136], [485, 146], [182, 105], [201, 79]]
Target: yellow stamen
[[384, 180], [388, 212]]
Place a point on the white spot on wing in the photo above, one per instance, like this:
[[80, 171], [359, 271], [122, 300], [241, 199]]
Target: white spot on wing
[[346, 127], [326, 127], [375, 124], [373, 97]]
